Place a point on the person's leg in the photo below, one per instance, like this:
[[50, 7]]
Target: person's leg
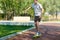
[[37, 26], [37, 20]]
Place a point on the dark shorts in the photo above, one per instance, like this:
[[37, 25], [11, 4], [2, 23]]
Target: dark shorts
[[37, 18]]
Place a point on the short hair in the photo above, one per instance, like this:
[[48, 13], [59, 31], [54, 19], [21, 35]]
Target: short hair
[[36, 0]]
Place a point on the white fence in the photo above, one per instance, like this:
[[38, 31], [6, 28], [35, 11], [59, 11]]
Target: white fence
[[18, 21], [21, 18]]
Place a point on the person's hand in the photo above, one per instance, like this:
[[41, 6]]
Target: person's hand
[[40, 16], [42, 10]]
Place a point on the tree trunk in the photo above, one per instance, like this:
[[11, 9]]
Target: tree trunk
[[56, 15]]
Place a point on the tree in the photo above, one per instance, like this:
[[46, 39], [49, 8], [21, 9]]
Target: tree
[[17, 7], [51, 6]]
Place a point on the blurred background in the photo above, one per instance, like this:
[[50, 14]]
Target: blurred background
[[11, 8]]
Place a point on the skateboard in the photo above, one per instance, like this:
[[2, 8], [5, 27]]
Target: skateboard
[[37, 36]]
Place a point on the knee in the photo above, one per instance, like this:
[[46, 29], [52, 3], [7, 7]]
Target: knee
[[36, 23]]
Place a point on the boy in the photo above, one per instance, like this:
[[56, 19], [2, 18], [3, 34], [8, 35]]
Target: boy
[[38, 9]]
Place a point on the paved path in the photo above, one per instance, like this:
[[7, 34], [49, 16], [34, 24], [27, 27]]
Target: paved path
[[50, 31]]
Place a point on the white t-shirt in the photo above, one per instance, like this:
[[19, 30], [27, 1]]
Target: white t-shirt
[[37, 9]]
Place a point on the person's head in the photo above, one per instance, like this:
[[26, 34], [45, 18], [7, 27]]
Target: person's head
[[35, 1]]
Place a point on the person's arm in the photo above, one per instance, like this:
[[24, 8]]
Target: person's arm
[[27, 9], [31, 6], [42, 10]]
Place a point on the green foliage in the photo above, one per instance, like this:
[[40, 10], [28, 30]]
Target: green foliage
[[10, 29], [45, 18], [18, 6]]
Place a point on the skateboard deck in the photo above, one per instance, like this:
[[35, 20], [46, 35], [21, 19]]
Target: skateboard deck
[[37, 37]]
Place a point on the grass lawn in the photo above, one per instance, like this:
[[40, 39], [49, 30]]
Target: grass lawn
[[9, 29]]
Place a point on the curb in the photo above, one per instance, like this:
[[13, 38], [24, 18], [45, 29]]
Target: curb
[[25, 30], [14, 34]]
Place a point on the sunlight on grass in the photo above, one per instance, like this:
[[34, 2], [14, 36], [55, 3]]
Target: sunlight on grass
[[9, 29]]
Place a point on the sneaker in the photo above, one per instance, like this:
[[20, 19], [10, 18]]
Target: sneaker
[[38, 34]]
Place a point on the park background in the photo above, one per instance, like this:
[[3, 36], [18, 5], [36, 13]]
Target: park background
[[18, 8], [11, 8]]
